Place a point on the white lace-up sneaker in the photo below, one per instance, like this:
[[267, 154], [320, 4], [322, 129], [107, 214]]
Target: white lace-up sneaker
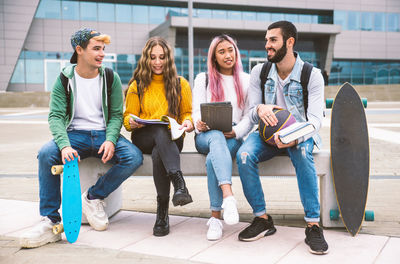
[[231, 215], [39, 235], [214, 229], [94, 212]]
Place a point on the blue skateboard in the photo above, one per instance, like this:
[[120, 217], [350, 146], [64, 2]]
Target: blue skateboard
[[71, 200]]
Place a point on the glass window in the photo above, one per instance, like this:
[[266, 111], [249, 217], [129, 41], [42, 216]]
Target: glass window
[[140, 14], [19, 72], [366, 21], [394, 73], [123, 13], [249, 16], [53, 55], [219, 14], [353, 20], [204, 13], [277, 17], [262, 16], [357, 72], [33, 55], [52, 9], [35, 71], [369, 73], [345, 71], [307, 19], [88, 11], [106, 12], [393, 22], [40, 11], [294, 18], [324, 19], [258, 53], [171, 11], [235, 15], [340, 18], [379, 21], [382, 73], [157, 14], [70, 10]]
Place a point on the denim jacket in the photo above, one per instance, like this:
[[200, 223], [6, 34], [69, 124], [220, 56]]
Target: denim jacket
[[293, 95]]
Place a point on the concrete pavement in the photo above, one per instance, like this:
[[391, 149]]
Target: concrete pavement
[[129, 238]]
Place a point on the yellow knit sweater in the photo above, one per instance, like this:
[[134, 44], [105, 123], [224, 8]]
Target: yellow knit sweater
[[154, 102]]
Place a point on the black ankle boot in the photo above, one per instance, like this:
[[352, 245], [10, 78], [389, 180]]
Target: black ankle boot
[[161, 227], [181, 193]]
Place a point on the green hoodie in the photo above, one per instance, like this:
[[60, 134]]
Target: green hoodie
[[59, 120]]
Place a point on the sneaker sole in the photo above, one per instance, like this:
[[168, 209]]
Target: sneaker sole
[[316, 252], [265, 233], [93, 223], [28, 243]]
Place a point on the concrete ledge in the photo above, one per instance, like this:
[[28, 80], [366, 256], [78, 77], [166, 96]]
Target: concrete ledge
[[193, 164]]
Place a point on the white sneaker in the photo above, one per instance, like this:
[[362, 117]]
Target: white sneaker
[[94, 212], [231, 215], [214, 229], [39, 235]]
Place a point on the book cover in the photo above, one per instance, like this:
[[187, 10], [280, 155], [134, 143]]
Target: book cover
[[174, 126], [217, 115], [295, 131]]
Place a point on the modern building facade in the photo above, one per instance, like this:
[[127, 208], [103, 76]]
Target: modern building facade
[[352, 40]]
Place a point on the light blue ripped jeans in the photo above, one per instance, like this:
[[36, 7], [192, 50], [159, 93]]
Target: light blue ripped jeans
[[254, 150], [220, 151]]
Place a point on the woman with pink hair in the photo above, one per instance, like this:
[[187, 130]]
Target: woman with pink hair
[[224, 81]]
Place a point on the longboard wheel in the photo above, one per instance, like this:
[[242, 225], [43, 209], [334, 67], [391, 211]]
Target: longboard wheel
[[58, 229], [369, 216], [57, 169], [329, 102], [334, 214]]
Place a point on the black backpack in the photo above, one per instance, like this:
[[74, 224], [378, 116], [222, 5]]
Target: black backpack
[[304, 79], [109, 78]]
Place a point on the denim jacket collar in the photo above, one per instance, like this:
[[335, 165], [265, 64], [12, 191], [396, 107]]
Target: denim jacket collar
[[295, 74]]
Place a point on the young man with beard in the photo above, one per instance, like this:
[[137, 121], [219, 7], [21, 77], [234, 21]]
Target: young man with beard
[[283, 90], [85, 119]]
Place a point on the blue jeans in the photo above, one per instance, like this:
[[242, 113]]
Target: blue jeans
[[127, 158], [220, 151], [255, 150]]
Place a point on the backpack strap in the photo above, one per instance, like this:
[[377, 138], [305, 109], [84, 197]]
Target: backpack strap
[[304, 79], [65, 84], [206, 81], [263, 77], [109, 79]]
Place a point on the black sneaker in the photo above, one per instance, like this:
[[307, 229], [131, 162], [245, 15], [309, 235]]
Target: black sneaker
[[259, 228], [315, 240]]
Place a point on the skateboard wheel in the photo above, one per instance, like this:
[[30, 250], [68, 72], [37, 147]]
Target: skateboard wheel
[[58, 229], [364, 102], [369, 216], [57, 169], [334, 214], [329, 102]]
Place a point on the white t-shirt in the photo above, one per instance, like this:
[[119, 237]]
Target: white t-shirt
[[280, 99], [88, 113]]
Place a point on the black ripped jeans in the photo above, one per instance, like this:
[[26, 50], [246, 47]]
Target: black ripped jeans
[[156, 140]]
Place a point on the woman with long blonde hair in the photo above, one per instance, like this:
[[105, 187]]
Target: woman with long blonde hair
[[223, 81], [156, 90]]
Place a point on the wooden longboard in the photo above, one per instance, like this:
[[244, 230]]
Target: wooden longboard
[[71, 200], [350, 156]]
